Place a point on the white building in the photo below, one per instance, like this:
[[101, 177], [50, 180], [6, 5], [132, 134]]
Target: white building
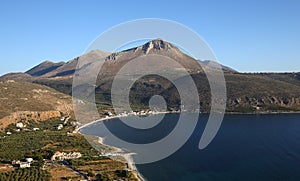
[[29, 160], [20, 125], [24, 165], [20, 164], [109, 113]]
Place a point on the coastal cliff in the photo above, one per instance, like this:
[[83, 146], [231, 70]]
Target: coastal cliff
[[22, 116]]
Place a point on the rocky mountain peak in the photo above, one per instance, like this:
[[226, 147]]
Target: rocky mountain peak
[[154, 46], [157, 44]]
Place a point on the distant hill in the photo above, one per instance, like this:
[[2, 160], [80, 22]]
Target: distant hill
[[246, 92], [225, 68], [44, 68]]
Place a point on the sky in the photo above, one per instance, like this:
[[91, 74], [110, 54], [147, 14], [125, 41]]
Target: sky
[[249, 36]]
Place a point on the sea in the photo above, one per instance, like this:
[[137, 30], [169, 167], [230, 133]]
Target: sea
[[246, 147]]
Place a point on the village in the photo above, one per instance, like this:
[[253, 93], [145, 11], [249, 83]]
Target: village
[[142, 113], [70, 153], [58, 156], [20, 126]]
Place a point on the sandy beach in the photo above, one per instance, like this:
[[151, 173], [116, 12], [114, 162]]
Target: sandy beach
[[118, 151]]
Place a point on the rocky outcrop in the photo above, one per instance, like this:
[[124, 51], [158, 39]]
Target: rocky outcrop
[[28, 116]]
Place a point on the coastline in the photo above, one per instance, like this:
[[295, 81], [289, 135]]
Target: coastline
[[262, 113], [120, 116], [118, 151], [126, 156], [98, 120], [172, 112]]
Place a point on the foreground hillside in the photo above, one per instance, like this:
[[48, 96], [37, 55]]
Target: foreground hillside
[[21, 101], [39, 139]]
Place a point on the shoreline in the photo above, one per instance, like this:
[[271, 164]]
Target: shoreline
[[119, 152], [170, 112], [121, 116], [127, 156], [262, 113], [132, 167]]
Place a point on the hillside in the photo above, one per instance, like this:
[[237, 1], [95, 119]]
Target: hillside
[[24, 101]]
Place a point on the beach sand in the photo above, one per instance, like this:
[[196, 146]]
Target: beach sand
[[110, 151]]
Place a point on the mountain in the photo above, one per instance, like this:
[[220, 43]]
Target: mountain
[[246, 92], [44, 68], [20, 101], [56, 75], [155, 47]]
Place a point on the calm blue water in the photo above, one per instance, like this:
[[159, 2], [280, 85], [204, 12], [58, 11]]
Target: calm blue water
[[247, 147]]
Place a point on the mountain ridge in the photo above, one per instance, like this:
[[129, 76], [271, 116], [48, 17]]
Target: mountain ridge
[[246, 92], [49, 69], [43, 68]]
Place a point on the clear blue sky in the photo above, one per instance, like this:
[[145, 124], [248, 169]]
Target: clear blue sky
[[249, 35]]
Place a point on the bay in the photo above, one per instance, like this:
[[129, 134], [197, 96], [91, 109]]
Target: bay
[[247, 147]]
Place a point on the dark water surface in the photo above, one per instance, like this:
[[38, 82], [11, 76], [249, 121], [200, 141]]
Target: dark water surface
[[247, 147]]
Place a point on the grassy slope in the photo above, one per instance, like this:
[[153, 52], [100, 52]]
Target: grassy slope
[[24, 96]]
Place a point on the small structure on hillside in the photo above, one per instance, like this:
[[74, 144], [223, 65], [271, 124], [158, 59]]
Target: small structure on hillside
[[59, 127], [109, 113], [19, 164], [24, 165], [20, 125], [29, 160]]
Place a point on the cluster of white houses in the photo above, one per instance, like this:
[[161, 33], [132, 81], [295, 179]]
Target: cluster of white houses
[[135, 113], [60, 156], [22, 126]]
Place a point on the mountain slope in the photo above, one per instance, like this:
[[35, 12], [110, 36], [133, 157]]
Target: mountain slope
[[44, 68], [67, 70]]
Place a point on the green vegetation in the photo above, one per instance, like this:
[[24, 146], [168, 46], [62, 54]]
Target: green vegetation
[[26, 143], [281, 108], [29, 174], [244, 109], [123, 173], [61, 85], [41, 146], [126, 175]]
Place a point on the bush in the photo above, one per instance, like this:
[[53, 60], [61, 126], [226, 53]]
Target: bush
[[90, 174]]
